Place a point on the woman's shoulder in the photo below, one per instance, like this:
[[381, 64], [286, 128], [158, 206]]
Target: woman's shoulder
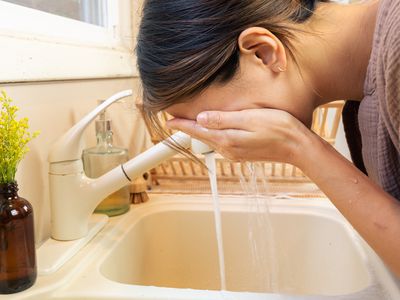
[[386, 43], [388, 68], [389, 22]]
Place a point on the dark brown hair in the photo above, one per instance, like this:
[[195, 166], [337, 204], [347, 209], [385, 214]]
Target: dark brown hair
[[184, 46]]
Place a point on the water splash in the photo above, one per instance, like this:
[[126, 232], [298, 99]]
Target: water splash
[[212, 172], [260, 230]]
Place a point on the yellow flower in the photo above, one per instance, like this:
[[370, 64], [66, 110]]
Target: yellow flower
[[14, 137]]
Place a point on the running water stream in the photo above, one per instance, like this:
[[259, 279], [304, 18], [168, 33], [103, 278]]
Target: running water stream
[[261, 239], [260, 228], [212, 173]]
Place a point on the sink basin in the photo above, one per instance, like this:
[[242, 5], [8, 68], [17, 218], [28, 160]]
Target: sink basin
[[311, 250], [166, 249], [316, 253]]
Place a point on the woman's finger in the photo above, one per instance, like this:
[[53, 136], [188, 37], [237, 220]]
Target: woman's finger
[[224, 119], [195, 130]]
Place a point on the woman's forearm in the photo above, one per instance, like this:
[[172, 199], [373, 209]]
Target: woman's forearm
[[371, 211]]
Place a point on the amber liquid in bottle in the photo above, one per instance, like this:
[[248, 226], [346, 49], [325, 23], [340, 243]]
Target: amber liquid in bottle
[[17, 245]]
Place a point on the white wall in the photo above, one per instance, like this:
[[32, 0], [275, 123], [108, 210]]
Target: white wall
[[341, 143], [54, 107]]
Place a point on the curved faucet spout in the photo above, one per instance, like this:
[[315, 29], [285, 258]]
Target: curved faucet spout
[[74, 196], [69, 146]]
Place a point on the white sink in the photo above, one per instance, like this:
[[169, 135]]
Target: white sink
[[166, 249], [177, 248]]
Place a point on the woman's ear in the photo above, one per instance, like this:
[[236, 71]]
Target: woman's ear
[[261, 44]]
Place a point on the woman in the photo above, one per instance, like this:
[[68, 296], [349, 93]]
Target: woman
[[245, 76]]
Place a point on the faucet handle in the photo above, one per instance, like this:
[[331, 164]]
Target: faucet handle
[[69, 146]]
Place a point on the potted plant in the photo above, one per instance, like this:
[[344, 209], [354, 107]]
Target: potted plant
[[17, 246]]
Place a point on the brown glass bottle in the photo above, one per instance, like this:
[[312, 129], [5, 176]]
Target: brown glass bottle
[[17, 243]]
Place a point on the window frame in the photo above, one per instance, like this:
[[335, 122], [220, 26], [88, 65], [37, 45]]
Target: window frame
[[39, 46]]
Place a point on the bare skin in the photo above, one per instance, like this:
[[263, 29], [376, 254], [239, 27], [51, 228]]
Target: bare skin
[[264, 112]]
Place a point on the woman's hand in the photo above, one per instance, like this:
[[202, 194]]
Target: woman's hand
[[250, 135]]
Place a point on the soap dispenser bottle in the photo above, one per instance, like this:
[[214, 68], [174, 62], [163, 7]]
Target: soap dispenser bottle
[[101, 159]]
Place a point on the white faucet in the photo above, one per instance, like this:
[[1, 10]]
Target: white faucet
[[74, 196]]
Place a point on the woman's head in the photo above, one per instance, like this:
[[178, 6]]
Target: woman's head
[[196, 55]]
